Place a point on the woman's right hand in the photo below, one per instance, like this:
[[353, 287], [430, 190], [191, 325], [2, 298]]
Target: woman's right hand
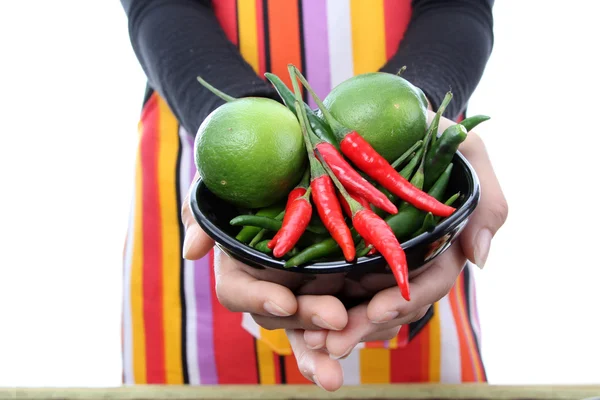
[[271, 305]]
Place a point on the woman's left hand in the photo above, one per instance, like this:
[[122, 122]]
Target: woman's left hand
[[317, 352]]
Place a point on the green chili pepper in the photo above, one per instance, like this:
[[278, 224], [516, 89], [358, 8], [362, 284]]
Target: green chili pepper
[[435, 123], [260, 234], [318, 250], [471, 122], [409, 218], [267, 223], [249, 232], [428, 224], [319, 127], [258, 221], [442, 153], [262, 247]]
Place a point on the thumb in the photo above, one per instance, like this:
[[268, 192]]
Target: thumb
[[492, 210], [196, 243]]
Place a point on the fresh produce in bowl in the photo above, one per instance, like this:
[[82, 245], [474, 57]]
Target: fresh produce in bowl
[[352, 223]]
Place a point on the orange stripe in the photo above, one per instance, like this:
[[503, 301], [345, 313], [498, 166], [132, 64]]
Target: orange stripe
[[226, 12], [168, 152], [472, 344], [284, 40], [397, 15], [468, 374], [435, 345]]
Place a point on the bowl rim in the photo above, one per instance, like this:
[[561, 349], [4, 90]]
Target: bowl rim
[[229, 244]]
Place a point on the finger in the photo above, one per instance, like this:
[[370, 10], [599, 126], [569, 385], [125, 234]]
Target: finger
[[492, 210], [196, 243], [315, 365], [315, 340], [313, 313], [427, 288], [239, 292], [387, 334], [339, 344]]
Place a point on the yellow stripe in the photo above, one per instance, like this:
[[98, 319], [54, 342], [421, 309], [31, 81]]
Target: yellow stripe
[[137, 262], [277, 340], [435, 345], [169, 218], [247, 31], [368, 35], [266, 363], [374, 366], [393, 344]]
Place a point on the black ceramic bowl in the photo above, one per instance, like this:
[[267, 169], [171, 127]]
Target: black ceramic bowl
[[351, 282]]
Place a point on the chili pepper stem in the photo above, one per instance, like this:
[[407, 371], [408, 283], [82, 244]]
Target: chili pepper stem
[[215, 91], [431, 134], [407, 154], [338, 129]]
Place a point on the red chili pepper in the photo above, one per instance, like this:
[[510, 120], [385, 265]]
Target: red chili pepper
[[372, 228], [375, 230], [330, 211], [360, 152], [352, 180], [323, 191], [346, 207], [364, 156], [295, 221], [297, 192]]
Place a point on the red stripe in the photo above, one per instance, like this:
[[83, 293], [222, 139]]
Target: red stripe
[[467, 367], [397, 16], [152, 247], [260, 30], [292, 373], [285, 45], [411, 363], [235, 357], [226, 12]]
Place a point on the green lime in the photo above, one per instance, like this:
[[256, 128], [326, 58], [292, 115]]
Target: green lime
[[385, 109], [250, 152]]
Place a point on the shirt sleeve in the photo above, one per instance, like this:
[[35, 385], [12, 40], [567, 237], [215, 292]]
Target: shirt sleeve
[[176, 41], [446, 47]]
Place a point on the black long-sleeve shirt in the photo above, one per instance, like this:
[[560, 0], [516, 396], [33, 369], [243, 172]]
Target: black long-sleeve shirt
[[446, 46]]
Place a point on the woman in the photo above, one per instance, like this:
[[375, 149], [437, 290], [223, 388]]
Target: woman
[[199, 319]]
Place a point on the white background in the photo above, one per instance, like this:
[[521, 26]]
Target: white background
[[70, 94]]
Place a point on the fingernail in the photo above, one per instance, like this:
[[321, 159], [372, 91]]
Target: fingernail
[[317, 347], [318, 321], [346, 354], [190, 236], [482, 247], [388, 316], [316, 381], [275, 310]]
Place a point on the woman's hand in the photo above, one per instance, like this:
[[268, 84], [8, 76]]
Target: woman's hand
[[382, 316], [271, 305]]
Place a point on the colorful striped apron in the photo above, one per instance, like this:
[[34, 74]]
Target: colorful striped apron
[[174, 329]]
